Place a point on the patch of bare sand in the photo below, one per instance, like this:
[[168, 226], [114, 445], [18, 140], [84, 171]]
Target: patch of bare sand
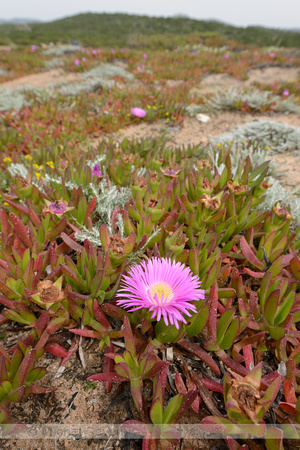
[[192, 132], [42, 79], [267, 75], [287, 169]]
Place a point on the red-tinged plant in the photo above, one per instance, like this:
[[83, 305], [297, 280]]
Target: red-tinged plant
[[132, 367], [161, 434], [92, 274], [223, 332], [276, 299], [246, 405], [94, 317], [18, 375]]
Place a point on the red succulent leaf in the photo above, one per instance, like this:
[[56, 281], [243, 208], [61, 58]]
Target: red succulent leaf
[[71, 243], [56, 350], [248, 253], [111, 377], [194, 349], [25, 367]]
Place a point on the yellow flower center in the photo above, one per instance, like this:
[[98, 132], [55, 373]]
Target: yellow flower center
[[161, 288]]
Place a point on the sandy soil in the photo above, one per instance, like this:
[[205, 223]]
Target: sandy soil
[[193, 132], [219, 81], [42, 79]]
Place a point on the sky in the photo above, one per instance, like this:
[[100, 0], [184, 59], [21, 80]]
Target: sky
[[269, 13]]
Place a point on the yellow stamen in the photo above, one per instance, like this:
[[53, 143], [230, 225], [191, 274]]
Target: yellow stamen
[[161, 288]]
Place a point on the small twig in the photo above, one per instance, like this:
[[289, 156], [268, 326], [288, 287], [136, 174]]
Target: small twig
[[205, 395], [80, 350]]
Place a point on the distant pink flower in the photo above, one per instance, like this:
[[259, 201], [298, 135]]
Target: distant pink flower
[[145, 56], [286, 92], [94, 52], [291, 59], [164, 287], [76, 62], [8, 49], [138, 112], [272, 55], [97, 171], [88, 52], [113, 50], [83, 59], [33, 48], [226, 56]]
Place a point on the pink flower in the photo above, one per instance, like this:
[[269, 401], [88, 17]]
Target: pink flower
[[33, 48], [88, 52], [164, 287], [94, 52], [272, 55], [145, 56], [286, 92], [138, 112], [76, 62], [226, 56], [291, 59], [97, 171], [83, 59]]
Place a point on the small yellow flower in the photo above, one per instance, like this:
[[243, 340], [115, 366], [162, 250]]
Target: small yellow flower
[[119, 129], [175, 117], [7, 159], [51, 164], [154, 107], [148, 106], [37, 174], [6, 204], [36, 166], [167, 113], [267, 148], [118, 110], [19, 134], [167, 120], [218, 145], [29, 157]]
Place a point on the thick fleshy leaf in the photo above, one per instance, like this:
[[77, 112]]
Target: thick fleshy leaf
[[111, 377], [71, 243], [25, 367], [295, 267], [128, 338], [194, 349], [20, 229], [248, 253]]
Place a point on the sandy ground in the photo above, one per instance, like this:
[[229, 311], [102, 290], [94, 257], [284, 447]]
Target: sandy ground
[[219, 81], [42, 79]]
